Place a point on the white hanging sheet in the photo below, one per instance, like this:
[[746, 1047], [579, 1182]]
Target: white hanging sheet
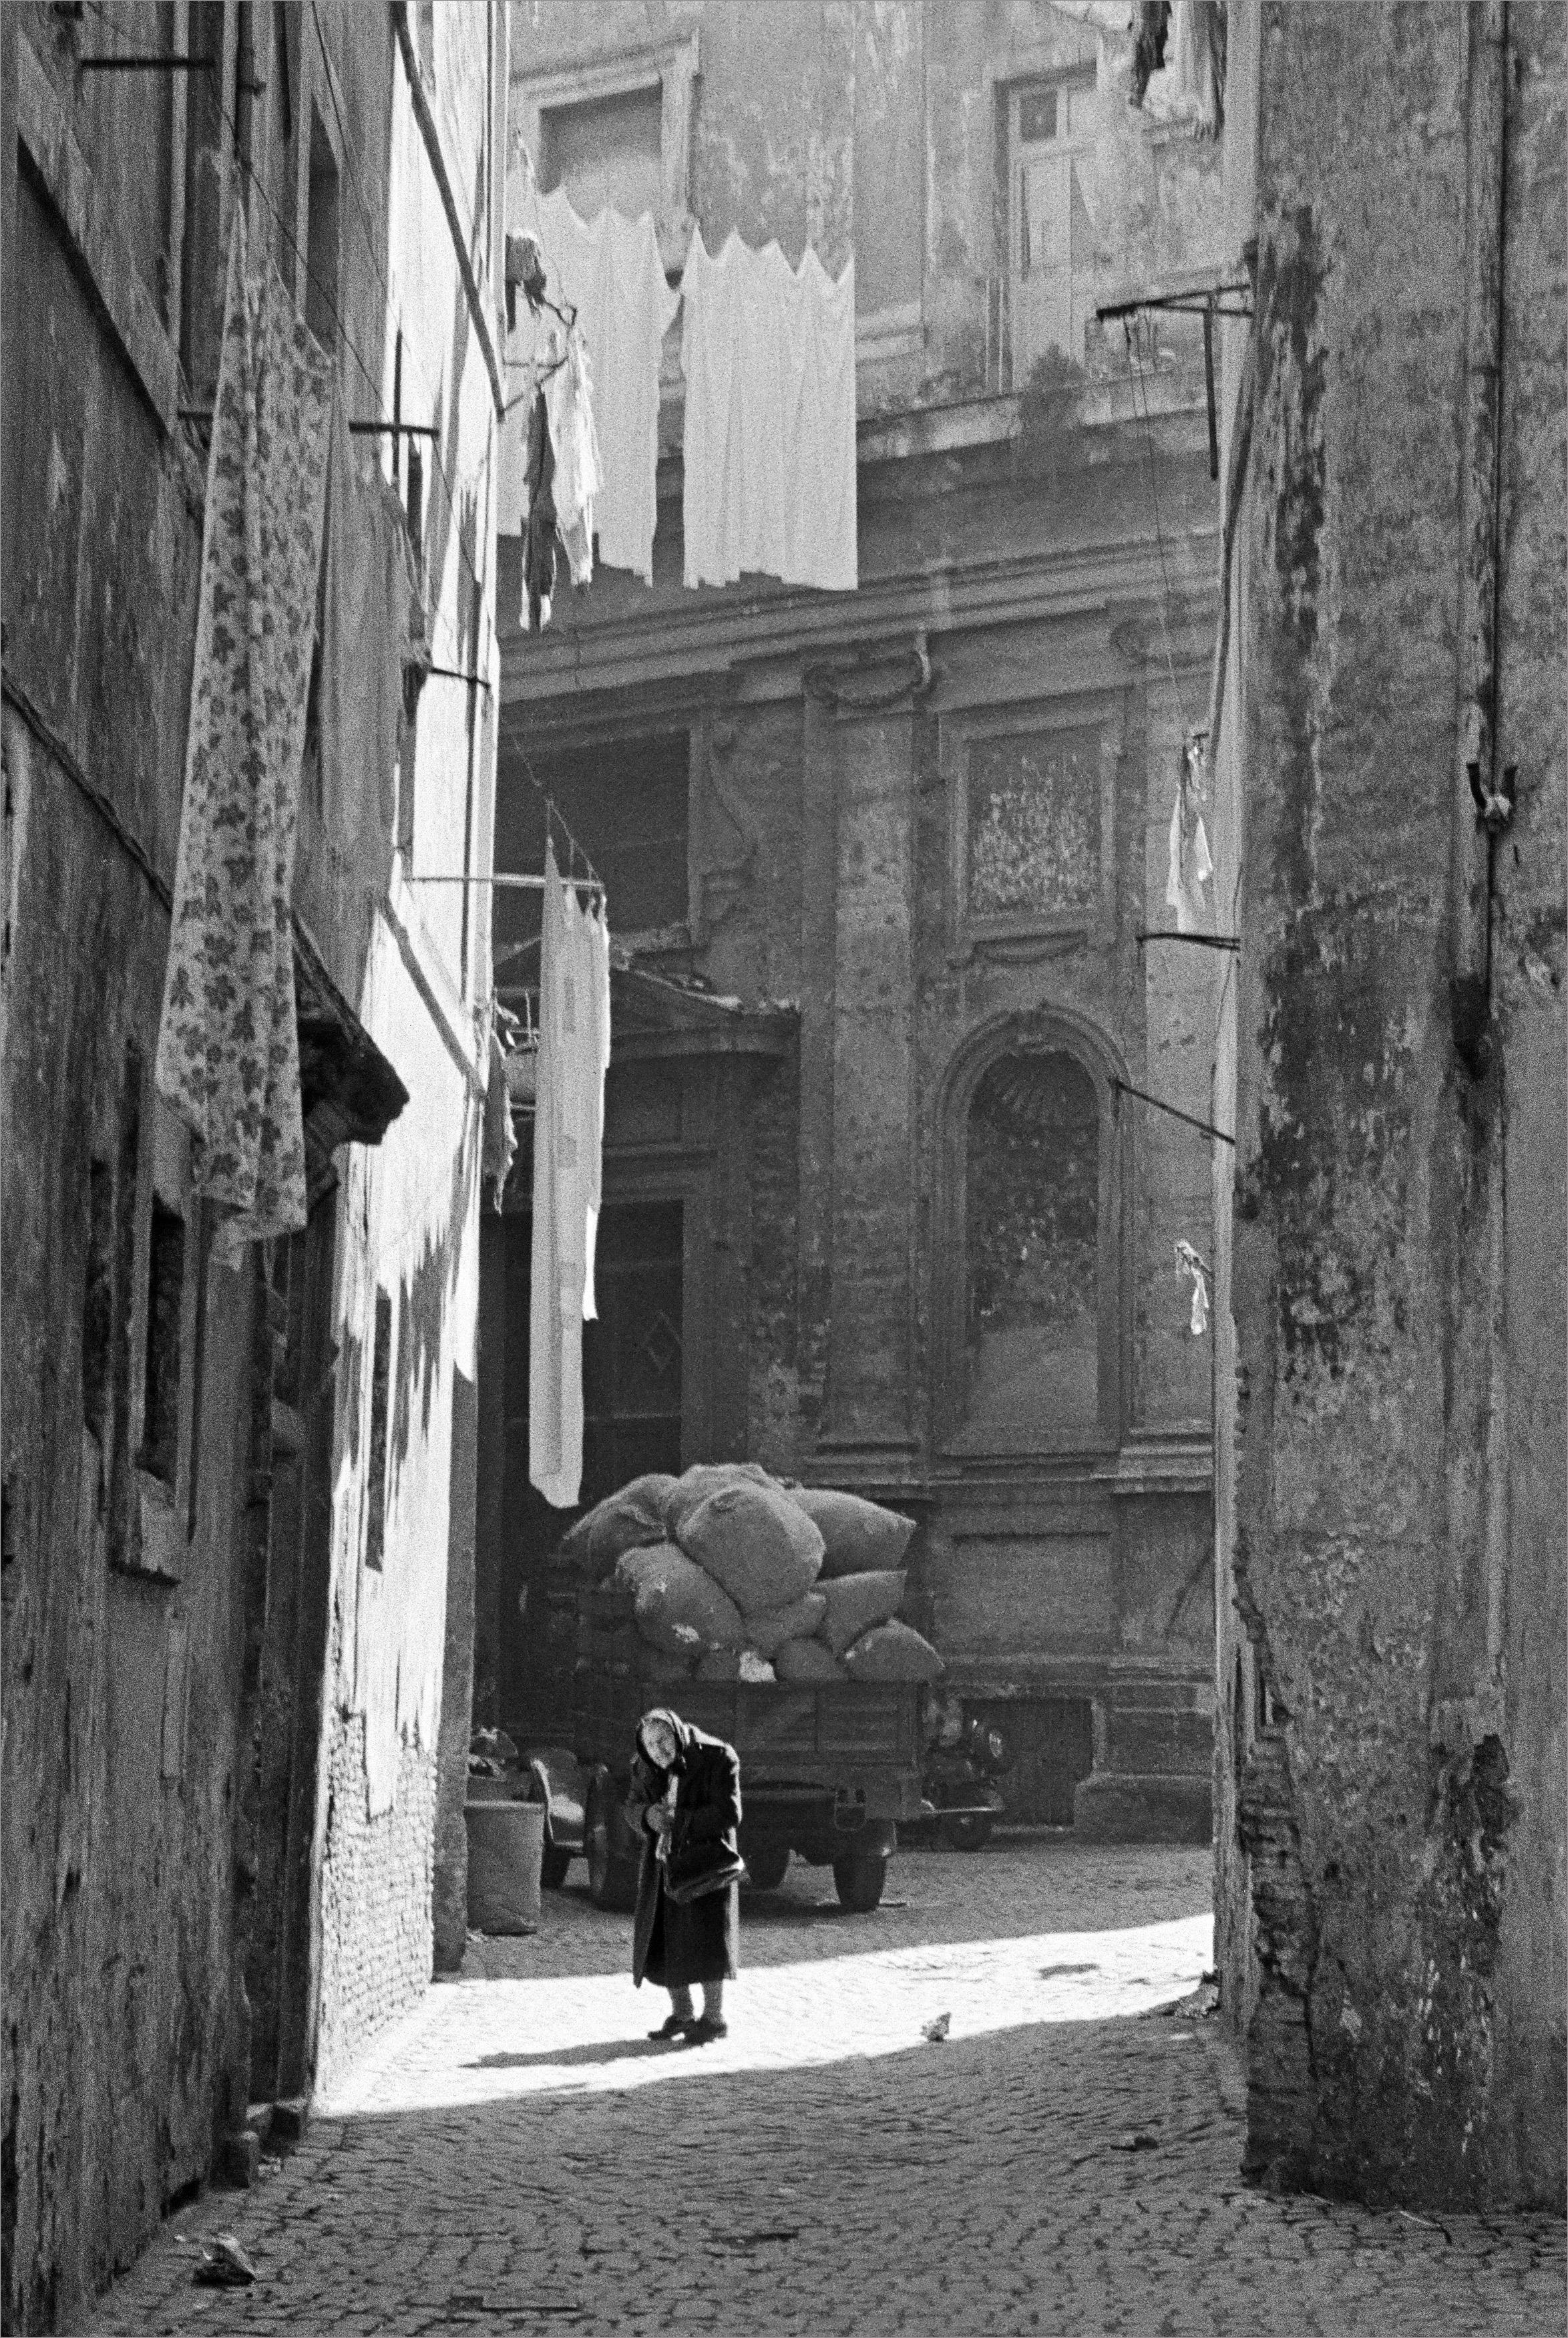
[[768, 354], [568, 1143]]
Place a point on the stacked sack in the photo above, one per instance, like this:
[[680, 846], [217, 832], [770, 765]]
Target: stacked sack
[[734, 1576]]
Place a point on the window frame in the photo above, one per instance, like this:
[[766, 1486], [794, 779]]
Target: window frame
[[1046, 1031], [673, 67], [959, 733]]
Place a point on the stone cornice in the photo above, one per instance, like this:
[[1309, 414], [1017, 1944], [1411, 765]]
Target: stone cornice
[[705, 634]]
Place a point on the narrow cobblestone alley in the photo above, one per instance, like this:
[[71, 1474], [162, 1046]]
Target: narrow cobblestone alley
[[514, 2155]]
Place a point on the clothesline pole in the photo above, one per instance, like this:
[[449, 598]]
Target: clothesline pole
[[1123, 1087], [521, 884]]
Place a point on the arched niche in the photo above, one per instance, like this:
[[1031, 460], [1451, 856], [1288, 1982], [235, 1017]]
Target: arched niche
[[1030, 1257]]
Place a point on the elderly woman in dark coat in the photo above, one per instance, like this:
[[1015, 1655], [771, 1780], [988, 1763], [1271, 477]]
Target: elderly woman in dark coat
[[686, 1791]]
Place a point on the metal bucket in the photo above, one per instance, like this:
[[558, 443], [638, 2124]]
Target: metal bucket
[[506, 1852]]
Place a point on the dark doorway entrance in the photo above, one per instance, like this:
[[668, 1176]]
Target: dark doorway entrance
[[281, 1975], [633, 1358]]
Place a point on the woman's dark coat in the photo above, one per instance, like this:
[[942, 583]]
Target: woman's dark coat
[[676, 1947]]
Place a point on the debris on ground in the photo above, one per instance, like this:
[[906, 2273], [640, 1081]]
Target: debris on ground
[[1203, 2001], [1136, 2141], [223, 2264], [936, 2031]]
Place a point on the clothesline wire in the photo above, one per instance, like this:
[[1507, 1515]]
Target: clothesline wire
[[553, 811]]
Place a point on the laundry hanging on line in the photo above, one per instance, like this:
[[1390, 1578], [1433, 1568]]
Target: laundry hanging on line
[[228, 1054], [579, 471], [1190, 1265], [608, 270], [370, 588], [568, 1144], [539, 521], [769, 469], [1190, 867]]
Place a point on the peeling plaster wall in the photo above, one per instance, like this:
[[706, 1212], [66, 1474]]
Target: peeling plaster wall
[[1402, 1799], [120, 1691], [134, 1732]]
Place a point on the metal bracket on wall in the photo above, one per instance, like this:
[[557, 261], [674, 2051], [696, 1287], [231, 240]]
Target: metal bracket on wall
[[1199, 941], [1124, 1087]]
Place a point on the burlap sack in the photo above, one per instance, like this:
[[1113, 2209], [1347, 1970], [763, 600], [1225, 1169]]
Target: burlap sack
[[856, 1602], [754, 1541], [679, 1607], [860, 1538], [626, 1521], [705, 1477], [892, 1651], [755, 1669], [770, 1627], [807, 1662], [633, 1568]]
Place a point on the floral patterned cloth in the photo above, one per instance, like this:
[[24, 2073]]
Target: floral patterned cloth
[[228, 1050]]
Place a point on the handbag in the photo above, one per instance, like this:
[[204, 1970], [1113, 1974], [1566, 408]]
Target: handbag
[[706, 1868]]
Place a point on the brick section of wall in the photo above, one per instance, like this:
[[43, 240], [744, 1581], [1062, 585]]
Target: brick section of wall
[[376, 1876]]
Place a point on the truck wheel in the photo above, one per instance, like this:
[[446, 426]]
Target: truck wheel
[[552, 1871], [767, 1864], [970, 1833], [860, 1881], [612, 1877]]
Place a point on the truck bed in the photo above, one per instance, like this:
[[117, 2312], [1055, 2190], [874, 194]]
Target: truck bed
[[833, 1733], [825, 1735]]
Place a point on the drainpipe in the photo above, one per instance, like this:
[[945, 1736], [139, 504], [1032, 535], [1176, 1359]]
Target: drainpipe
[[1467, 1688]]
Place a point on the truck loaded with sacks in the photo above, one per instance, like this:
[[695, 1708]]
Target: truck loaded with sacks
[[768, 1614]]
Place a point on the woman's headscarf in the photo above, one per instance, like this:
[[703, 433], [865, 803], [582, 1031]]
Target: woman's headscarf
[[680, 1730]]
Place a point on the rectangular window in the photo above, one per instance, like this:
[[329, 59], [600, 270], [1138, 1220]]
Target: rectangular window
[[381, 1384], [626, 802], [160, 1451], [98, 1303], [1051, 230], [283, 154], [321, 228], [606, 149], [202, 273]]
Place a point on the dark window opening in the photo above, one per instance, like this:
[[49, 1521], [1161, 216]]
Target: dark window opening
[[284, 190], [625, 802], [381, 1378], [202, 273], [606, 149], [321, 229], [161, 1403], [1033, 1253], [98, 1305], [417, 505]]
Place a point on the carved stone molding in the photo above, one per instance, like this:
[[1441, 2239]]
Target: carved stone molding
[[881, 679], [721, 881]]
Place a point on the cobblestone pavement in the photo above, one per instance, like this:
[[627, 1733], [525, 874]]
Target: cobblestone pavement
[[514, 2153]]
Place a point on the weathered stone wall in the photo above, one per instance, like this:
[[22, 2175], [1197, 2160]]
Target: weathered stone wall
[[1398, 1246], [376, 1878], [156, 1739]]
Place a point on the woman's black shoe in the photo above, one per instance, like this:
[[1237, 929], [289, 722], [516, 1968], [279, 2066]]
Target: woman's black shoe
[[703, 2030], [675, 2025]]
